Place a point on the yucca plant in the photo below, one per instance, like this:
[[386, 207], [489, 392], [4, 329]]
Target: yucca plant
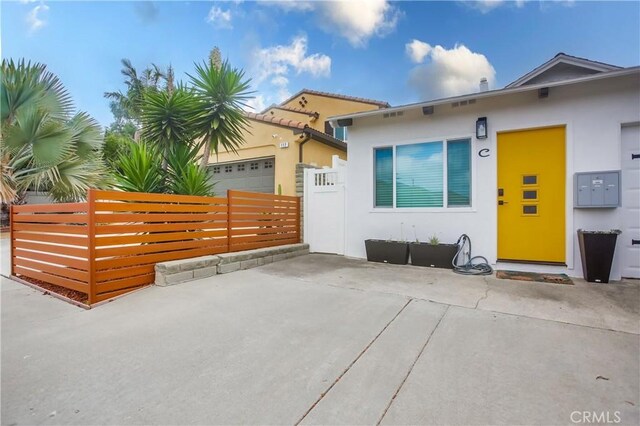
[[222, 93], [191, 179], [139, 169], [184, 176], [168, 119]]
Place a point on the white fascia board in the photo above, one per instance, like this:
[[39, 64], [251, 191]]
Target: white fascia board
[[493, 93]]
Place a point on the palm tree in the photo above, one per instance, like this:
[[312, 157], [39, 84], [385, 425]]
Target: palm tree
[[45, 147], [138, 85], [222, 94]]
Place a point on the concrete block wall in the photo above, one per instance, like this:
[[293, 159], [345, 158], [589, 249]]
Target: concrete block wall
[[179, 271]]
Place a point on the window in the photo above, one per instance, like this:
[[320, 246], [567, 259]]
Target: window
[[384, 177], [241, 167], [253, 166], [216, 169], [340, 133], [419, 175], [459, 173], [268, 164], [421, 171], [228, 169]]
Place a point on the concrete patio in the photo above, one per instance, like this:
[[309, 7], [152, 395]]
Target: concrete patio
[[325, 340]]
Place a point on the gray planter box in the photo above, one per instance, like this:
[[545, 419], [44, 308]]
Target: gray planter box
[[433, 255], [396, 252]]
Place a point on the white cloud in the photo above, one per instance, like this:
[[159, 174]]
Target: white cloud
[[35, 20], [450, 72], [220, 18], [256, 104], [486, 6], [356, 20], [359, 20], [291, 5], [273, 66], [279, 60], [417, 50]]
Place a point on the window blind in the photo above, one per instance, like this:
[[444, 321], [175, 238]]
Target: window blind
[[419, 175], [384, 177], [459, 172]]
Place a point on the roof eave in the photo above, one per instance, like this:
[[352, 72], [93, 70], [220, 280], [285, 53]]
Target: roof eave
[[323, 138], [492, 93]]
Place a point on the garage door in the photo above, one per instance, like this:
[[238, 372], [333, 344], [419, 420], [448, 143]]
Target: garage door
[[631, 201], [255, 175]]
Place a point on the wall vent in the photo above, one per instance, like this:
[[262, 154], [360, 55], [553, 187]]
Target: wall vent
[[393, 114], [463, 103]]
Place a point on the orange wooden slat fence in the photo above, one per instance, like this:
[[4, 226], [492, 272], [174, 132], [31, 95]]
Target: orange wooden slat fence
[[262, 220], [50, 243], [109, 245]]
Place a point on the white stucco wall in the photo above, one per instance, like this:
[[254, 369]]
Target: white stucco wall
[[592, 113]]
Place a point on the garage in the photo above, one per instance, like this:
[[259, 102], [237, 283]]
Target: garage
[[256, 175], [630, 253]]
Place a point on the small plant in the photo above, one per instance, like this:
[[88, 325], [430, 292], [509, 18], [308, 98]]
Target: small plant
[[279, 189], [434, 240], [415, 235]]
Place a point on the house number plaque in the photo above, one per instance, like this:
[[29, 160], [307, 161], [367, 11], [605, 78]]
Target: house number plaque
[[484, 152]]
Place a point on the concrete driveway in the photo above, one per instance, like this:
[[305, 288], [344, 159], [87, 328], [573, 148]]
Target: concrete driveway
[[325, 340]]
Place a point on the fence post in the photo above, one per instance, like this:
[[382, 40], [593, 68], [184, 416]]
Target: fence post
[[91, 233], [11, 213], [229, 220], [298, 220]]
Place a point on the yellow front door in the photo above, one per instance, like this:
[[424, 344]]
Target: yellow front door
[[531, 195]]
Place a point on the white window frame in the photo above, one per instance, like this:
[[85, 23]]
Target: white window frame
[[345, 133], [445, 196]]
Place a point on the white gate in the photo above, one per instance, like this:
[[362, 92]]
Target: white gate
[[324, 208]]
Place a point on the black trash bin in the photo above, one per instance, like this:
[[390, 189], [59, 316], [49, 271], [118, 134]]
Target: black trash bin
[[596, 251]]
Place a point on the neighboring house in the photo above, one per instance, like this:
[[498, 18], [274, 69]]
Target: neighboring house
[[512, 192], [295, 131]]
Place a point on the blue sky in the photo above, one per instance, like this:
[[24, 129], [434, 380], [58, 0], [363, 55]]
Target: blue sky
[[400, 52]]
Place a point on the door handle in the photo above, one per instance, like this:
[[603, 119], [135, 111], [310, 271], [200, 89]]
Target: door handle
[[634, 242], [501, 202], [634, 156]]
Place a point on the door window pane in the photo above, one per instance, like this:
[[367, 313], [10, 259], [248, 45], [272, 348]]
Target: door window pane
[[419, 171], [384, 177], [459, 172]]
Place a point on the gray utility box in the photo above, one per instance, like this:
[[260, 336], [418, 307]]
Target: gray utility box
[[593, 190]]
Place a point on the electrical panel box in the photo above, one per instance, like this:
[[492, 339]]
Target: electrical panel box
[[597, 190]]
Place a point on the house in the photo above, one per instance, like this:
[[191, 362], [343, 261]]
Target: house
[[295, 131], [512, 168]]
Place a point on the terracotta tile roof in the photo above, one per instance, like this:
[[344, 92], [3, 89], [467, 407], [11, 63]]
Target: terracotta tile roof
[[285, 122], [297, 128], [293, 109], [381, 104]]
